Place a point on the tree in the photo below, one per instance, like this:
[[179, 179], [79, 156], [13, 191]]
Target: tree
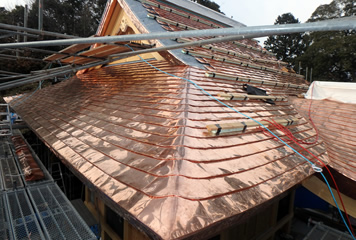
[[332, 55], [74, 17], [286, 47], [336, 9], [210, 4]]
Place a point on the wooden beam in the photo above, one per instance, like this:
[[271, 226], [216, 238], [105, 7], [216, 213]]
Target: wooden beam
[[319, 188], [130, 232], [68, 50], [220, 128]]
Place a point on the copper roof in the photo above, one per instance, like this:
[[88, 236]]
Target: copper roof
[[335, 123], [139, 136]]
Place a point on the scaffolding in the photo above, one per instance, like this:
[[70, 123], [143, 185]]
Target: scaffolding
[[321, 231], [5, 124], [57, 215], [34, 210], [4, 220], [22, 217], [11, 176]]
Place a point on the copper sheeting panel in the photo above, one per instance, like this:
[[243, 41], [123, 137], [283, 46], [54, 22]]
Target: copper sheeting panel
[[139, 136], [30, 169], [336, 124]]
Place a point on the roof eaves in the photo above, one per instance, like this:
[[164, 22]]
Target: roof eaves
[[205, 11]]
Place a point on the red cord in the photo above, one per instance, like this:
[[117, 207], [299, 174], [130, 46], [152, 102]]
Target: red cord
[[293, 139], [317, 134]]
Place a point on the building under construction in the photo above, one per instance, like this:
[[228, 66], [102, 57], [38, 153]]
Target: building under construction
[[176, 127]]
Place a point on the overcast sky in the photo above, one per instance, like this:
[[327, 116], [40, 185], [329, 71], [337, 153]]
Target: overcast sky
[[265, 12], [249, 12]]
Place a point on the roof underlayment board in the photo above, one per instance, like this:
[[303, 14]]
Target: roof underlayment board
[[137, 134]]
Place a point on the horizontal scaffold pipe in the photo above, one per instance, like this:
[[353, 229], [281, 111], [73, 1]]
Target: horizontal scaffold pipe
[[19, 33], [2, 79], [48, 75], [346, 23], [15, 58], [182, 45], [35, 31]]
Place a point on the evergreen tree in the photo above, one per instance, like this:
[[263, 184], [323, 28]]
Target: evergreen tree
[[286, 47], [73, 17], [332, 54], [210, 4]]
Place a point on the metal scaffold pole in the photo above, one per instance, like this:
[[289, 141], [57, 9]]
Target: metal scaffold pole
[[25, 21], [35, 31], [328, 25], [40, 15]]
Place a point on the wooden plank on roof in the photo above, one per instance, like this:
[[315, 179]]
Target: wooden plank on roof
[[219, 128], [231, 96], [69, 50], [100, 52]]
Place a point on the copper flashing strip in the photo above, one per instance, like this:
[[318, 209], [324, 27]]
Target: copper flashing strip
[[165, 20], [230, 96], [228, 52], [221, 128], [246, 64], [243, 55], [30, 168], [253, 48], [233, 53], [172, 10], [251, 80]]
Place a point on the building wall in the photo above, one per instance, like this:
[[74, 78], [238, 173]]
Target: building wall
[[262, 226], [113, 227]]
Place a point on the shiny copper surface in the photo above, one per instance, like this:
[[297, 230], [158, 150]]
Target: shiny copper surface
[[30, 168], [139, 136], [335, 122]]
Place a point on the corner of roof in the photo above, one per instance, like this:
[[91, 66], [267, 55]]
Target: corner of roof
[[204, 11]]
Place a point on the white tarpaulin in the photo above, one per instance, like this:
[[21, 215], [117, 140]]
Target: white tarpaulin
[[337, 91]]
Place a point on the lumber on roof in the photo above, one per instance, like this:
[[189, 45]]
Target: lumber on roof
[[220, 128], [71, 49], [230, 96]]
